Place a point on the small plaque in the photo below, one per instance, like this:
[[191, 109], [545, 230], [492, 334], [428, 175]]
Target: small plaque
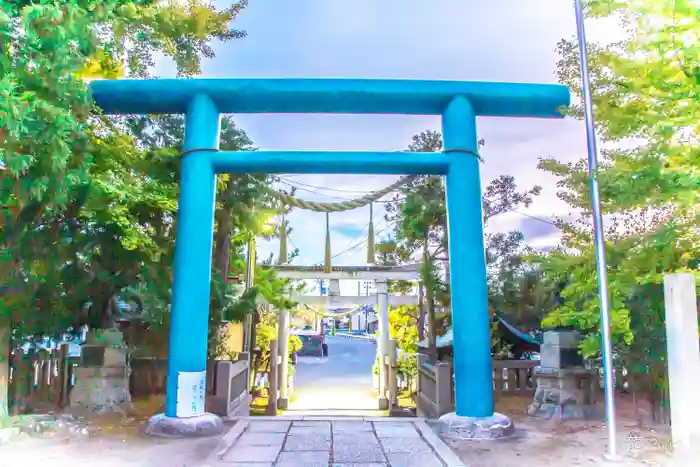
[[191, 393]]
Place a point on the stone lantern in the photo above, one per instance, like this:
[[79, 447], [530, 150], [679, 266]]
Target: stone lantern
[[566, 390], [102, 377]]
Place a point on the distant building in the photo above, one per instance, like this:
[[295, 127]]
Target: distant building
[[364, 320]]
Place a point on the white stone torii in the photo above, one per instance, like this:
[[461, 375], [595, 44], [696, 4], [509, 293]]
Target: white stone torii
[[349, 301], [408, 272], [381, 300]]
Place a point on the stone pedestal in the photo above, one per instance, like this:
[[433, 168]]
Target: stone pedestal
[[564, 394], [565, 389], [203, 425], [101, 389], [102, 379], [495, 427]]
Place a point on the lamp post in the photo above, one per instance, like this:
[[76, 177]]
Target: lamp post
[[599, 235]]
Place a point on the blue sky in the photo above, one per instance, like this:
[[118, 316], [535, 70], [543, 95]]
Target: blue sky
[[501, 40]]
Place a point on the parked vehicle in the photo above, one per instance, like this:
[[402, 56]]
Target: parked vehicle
[[312, 343]]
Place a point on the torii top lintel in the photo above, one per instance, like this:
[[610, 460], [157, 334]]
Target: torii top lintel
[[346, 96]]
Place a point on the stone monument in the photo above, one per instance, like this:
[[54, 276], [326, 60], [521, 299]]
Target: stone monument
[[102, 378], [565, 388]]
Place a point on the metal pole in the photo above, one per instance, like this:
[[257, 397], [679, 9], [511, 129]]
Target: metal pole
[[599, 236]]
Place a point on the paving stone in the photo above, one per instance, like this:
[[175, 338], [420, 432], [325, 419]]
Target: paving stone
[[366, 464], [268, 427], [261, 439], [332, 419], [308, 442], [245, 464], [406, 459], [352, 426], [303, 459], [311, 430], [409, 445], [407, 430], [312, 423], [355, 439], [252, 454], [392, 421], [357, 454]]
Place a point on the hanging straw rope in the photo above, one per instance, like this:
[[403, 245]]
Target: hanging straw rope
[[335, 315], [337, 207], [334, 207]]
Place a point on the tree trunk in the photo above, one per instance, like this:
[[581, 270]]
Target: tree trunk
[[5, 346], [432, 334], [430, 296], [446, 265], [420, 323], [222, 242], [222, 237]]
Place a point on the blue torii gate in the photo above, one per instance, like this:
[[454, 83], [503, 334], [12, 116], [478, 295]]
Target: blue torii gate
[[204, 100]]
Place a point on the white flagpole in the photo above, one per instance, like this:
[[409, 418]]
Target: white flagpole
[[599, 236]]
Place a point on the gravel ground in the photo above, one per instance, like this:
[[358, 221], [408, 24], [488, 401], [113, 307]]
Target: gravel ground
[[544, 443], [112, 441], [107, 451]]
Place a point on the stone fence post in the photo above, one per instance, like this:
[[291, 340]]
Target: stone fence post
[[443, 389], [680, 298]]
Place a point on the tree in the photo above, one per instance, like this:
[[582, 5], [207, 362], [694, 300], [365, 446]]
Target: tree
[[420, 217], [644, 91], [61, 250], [516, 286], [50, 140]]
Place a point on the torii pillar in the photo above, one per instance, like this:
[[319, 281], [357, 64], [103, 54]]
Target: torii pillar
[[474, 415], [283, 344], [187, 355], [383, 343]]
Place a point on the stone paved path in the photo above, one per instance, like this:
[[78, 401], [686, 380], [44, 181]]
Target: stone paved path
[[330, 443], [337, 384]]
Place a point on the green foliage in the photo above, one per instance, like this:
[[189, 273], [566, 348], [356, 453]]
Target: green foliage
[[88, 203], [84, 213], [275, 290], [516, 287], [402, 327], [266, 332], [644, 94], [294, 344]]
